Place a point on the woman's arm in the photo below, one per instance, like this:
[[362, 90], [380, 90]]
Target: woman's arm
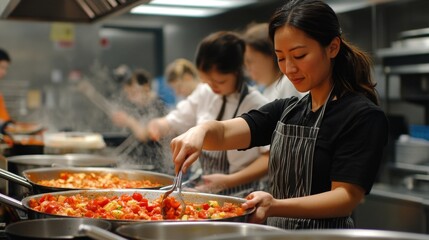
[[122, 119], [158, 128], [213, 135], [338, 202]]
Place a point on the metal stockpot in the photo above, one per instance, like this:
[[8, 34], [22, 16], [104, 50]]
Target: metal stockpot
[[33, 176], [190, 230], [52, 228], [18, 164], [328, 234]]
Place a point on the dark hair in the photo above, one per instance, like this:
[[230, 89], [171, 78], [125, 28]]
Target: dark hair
[[139, 76], [256, 36], [4, 56], [351, 66], [222, 51], [178, 68]]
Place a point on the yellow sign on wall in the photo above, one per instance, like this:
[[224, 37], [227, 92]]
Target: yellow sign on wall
[[62, 32]]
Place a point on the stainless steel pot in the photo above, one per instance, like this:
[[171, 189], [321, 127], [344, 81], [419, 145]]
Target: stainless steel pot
[[151, 195], [52, 228], [190, 230], [33, 176], [329, 234], [18, 164]]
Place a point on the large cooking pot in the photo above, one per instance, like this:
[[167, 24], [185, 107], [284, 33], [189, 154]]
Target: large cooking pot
[[151, 195], [327, 234], [18, 164], [52, 228], [190, 230], [33, 176]]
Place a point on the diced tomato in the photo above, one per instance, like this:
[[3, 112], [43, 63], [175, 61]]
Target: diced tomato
[[206, 206], [102, 201], [92, 205], [33, 203], [137, 196], [202, 214], [52, 207], [89, 214], [64, 176], [135, 208], [45, 197], [174, 204], [144, 202], [150, 207], [125, 197], [70, 200]]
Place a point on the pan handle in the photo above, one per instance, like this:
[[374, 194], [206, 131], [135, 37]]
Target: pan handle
[[12, 202], [15, 178], [98, 233]]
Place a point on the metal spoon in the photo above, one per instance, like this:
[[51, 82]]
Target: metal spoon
[[177, 184]]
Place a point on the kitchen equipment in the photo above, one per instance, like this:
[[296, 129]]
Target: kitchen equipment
[[98, 233], [177, 185], [52, 228], [21, 128], [329, 234], [65, 10], [32, 176], [411, 150], [190, 230], [73, 142], [151, 195], [18, 164]]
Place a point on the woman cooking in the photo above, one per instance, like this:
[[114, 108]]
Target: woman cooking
[[224, 95], [326, 147]]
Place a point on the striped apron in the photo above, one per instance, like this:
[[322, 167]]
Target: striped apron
[[291, 167]]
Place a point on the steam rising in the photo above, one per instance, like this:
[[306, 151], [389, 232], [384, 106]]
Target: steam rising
[[84, 105]]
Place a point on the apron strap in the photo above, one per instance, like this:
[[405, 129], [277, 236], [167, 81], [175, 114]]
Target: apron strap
[[243, 93]]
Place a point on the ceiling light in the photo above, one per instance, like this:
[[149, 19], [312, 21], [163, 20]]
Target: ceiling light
[[175, 11], [204, 3]]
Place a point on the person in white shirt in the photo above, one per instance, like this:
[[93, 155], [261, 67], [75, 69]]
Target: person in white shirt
[[224, 94], [261, 64], [182, 76]]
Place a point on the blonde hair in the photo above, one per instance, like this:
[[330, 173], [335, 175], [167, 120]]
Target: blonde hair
[[178, 68]]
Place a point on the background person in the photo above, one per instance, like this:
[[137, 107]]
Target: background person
[[224, 95], [326, 148], [182, 76], [145, 105], [261, 64], [5, 61]]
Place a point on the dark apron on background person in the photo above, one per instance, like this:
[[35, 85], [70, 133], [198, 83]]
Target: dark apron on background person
[[291, 169], [217, 161]]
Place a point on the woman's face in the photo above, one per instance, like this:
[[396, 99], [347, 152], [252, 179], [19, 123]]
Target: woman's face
[[260, 66], [303, 60], [184, 86], [220, 83], [4, 65], [135, 93]]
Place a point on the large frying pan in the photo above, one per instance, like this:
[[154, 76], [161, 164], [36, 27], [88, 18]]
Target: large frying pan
[[151, 195], [32, 176]]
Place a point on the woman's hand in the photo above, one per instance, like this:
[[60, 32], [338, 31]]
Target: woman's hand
[[213, 183], [187, 147], [263, 202]]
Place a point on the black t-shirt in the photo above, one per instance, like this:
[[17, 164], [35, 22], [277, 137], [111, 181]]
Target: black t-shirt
[[350, 143]]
